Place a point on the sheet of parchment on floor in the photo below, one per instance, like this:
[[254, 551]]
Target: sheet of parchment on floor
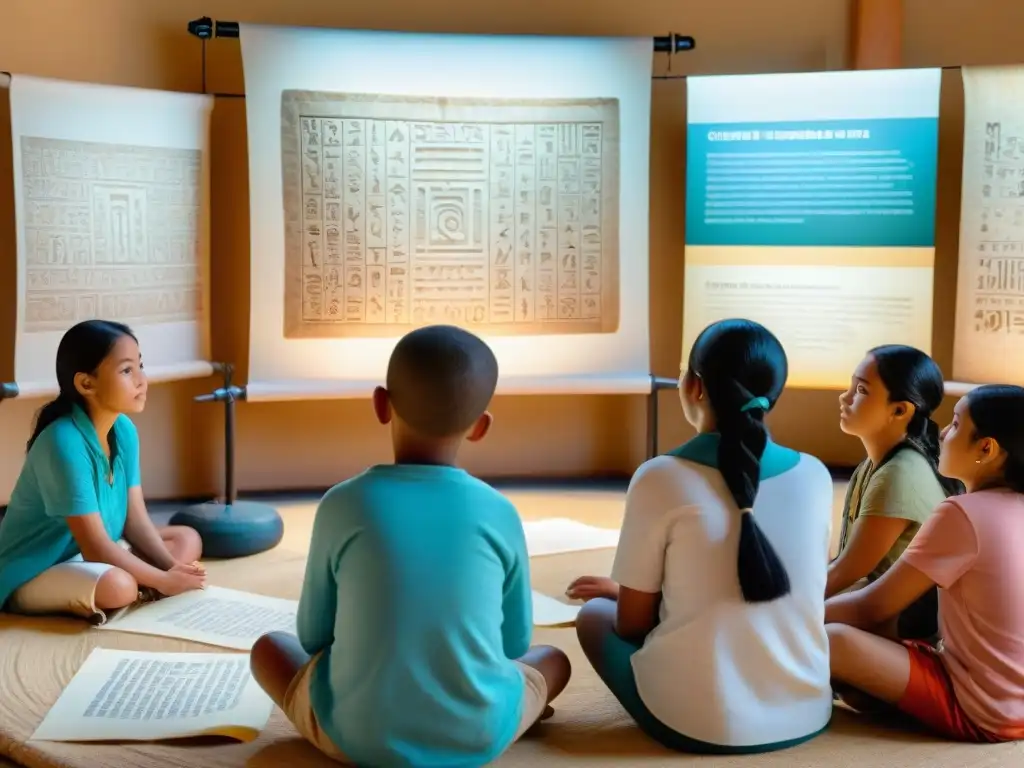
[[549, 612], [111, 192], [215, 616], [558, 535], [140, 696]]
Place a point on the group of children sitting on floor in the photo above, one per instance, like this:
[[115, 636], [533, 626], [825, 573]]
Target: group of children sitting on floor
[[723, 627]]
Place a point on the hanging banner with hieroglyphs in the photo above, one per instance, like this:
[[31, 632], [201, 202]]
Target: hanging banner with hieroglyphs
[[111, 199], [497, 183], [989, 339]]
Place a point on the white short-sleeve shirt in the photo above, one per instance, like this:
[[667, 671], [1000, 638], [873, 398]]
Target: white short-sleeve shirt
[[716, 668]]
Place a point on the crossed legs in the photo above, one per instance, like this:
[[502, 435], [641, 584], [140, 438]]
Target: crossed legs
[[278, 657], [84, 588], [116, 588]]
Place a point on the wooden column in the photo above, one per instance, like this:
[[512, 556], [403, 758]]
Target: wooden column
[[877, 34]]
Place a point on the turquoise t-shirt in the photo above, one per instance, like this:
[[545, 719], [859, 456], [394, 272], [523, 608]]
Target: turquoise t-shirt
[[417, 592], [66, 473]]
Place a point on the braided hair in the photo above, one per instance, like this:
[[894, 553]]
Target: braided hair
[[743, 369]]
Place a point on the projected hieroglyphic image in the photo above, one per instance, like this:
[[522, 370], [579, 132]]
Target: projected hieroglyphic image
[[499, 215], [110, 231]]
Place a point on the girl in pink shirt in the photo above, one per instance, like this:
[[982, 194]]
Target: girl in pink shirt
[[970, 687]]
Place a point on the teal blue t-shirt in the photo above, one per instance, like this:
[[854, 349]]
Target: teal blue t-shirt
[[417, 591], [66, 473]]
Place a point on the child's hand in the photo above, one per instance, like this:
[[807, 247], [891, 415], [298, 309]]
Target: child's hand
[[590, 587], [196, 568], [182, 578]]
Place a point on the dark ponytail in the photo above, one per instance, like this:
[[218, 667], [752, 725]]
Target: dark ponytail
[[909, 375], [81, 350], [60, 406], [923, 436], [997, 411], [1013, 472], [743, 369]]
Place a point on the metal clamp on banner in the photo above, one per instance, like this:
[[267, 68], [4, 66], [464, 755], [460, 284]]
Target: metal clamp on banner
[[206, 28]]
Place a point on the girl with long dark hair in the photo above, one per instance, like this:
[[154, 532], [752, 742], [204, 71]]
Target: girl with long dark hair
[[893, 394], [77, 538], [710, 630]]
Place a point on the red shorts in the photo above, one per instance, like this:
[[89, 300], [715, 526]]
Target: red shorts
[[930, 698]]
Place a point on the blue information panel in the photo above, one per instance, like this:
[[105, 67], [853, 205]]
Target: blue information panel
[[834, 182], [810, 207]]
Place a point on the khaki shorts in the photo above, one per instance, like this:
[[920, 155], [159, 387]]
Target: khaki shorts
[[299, 710], [65, 588]]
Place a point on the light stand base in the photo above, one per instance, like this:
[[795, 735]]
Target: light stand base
[[233, 530]]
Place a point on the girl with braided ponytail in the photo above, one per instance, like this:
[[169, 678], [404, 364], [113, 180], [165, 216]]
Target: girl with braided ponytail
[[889, 405], [710, 630]]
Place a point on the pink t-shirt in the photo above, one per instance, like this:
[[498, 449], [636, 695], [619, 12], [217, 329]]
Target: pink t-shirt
[[973, 549]]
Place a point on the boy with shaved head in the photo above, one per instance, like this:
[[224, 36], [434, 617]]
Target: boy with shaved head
[[415, 618]]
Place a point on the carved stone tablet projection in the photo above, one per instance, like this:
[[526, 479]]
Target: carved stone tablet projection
[[496, 215], [110, 231]]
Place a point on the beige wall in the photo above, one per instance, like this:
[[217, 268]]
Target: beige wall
[[302, 445]]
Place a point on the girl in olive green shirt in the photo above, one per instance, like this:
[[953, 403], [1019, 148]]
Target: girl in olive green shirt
[[889, 404]]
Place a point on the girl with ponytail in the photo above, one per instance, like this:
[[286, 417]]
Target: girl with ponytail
[[77, 538], [889, 405], [970, 687], [710, 630]]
